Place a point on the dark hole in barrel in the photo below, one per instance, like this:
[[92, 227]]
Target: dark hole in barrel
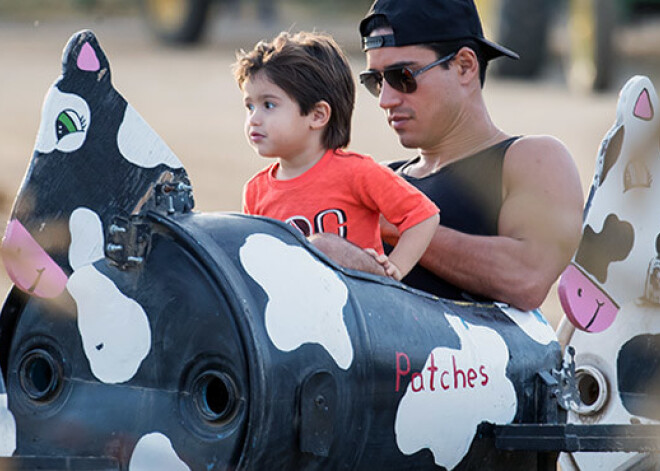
[[39, 375], [588, 389], [214, 395]]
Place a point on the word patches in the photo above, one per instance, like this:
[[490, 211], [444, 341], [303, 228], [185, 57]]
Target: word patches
[[448, 375]]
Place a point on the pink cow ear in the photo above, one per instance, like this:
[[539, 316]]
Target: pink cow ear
[[643, 107], [87, 59], [83, 55]]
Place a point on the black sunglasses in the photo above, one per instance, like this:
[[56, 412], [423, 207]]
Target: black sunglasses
[[400, 78]]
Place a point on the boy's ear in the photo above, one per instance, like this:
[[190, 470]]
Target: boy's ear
[[320, 114]]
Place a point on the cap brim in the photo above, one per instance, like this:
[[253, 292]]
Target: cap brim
[[492, 50]]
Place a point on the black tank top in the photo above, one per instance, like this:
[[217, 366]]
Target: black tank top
[[469, 195]]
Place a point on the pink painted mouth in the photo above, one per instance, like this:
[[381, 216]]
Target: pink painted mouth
[[28, 265], [586, 305]]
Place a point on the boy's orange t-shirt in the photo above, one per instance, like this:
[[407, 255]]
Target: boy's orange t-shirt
[[344, 194]]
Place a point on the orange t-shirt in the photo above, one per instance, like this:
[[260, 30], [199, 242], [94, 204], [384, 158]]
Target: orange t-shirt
[[344, 194]]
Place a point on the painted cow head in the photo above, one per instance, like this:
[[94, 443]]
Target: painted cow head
[[95, 159], [622, 217]]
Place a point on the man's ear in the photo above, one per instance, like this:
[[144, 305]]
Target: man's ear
[[320, 114], [468, 64]]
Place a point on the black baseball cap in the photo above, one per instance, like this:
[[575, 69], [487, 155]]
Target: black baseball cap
[[428, 21]]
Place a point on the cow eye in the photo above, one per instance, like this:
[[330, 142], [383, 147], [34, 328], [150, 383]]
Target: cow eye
[[579, 293], [68, 121]]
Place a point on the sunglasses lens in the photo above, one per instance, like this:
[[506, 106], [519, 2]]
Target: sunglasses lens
[[401, 79], [372, 81]]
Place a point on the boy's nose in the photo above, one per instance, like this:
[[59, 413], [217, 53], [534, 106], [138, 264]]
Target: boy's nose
[[253, 118]]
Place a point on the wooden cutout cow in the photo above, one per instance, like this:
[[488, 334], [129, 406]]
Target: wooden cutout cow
[[622, 219], [142, 335], [610, 292]]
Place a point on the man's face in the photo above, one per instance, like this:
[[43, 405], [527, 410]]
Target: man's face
[[423, 117]]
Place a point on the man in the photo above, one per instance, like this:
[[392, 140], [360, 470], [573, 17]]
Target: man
[[510, 207]]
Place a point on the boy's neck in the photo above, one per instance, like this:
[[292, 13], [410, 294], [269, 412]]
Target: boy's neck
[[293, 167]]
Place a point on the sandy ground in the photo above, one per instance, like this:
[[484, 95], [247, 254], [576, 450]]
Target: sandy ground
[[189, 97]]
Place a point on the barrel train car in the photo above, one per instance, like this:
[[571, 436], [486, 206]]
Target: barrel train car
[[140, 334]]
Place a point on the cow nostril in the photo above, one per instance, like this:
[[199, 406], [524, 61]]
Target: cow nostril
[[579, 292], [40, 375]]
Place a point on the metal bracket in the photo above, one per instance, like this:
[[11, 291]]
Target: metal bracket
[[173, 197], [567, 393], [557, 389], [652, 288], [573, 437], [128, 241]]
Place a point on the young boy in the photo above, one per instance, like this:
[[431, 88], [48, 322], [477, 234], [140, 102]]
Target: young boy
[[299, 95]]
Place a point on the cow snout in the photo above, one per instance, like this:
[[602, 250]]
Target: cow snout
[[29, 266], [586, 305]]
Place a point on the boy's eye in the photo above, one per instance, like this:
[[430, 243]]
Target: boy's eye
[[269, 105], [249, 106]]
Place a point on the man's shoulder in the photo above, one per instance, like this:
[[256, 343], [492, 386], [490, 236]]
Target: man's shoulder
[[537, 144], [538, 160], [536, 151]]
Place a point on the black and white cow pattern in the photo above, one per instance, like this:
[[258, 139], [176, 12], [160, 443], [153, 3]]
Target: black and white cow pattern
[[458, 388]]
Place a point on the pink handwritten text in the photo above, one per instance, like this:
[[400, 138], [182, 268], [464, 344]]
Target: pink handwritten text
[[441, 377]]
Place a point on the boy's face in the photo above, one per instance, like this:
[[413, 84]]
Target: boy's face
[[273, 124]]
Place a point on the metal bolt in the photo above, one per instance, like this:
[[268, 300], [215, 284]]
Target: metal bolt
[[115, 229]]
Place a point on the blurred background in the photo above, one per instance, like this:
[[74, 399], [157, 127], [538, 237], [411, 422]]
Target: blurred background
[[171, 59]]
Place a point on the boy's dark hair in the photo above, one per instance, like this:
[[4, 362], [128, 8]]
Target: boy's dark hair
[[309, 67], [441, 49]]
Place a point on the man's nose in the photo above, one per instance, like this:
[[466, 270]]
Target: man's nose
[[389, 97]]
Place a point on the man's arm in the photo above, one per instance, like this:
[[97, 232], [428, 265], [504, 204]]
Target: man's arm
[[346, 253], [540, 226]]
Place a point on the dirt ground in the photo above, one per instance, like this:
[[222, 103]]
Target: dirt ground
[[188, 96]]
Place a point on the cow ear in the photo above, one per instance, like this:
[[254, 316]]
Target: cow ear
[[643, 106], [83, 55]]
